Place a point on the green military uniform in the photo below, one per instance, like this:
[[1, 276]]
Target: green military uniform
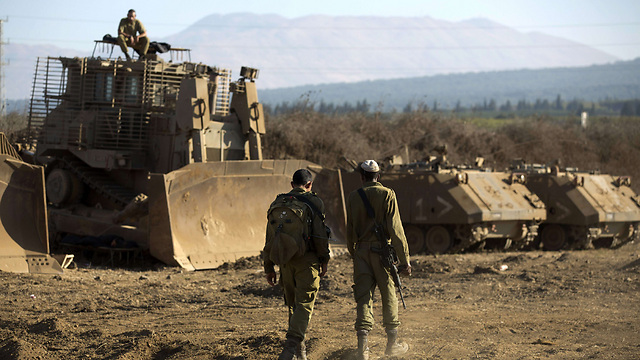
[[367, 267], [299, 277], [133, 29]]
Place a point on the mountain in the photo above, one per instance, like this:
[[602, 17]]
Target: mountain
[[325, 49], [333, 49], [620, 80]]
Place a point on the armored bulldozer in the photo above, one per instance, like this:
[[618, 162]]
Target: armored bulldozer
[[585, 209], [167, 155], [447, 208]]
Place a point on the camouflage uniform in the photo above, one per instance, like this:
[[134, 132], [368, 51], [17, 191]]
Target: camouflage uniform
[[367, 267], [133, 29], [299, 277]]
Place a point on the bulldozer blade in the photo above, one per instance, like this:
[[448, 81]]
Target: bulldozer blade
[[24, 246], [206, 214]]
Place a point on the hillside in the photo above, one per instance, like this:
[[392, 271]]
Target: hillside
[[324, 49], [620, 80]]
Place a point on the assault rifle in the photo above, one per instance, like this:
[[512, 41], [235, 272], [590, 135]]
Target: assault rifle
[[387, 253]]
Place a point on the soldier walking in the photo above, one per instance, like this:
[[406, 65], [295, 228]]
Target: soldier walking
[[301, 250], [365, 248]]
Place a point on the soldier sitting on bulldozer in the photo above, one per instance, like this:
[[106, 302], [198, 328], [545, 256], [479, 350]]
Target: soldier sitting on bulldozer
[[131, 32]]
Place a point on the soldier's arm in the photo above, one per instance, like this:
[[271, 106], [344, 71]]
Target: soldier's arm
[[396, 231], [121, 29], [141, 30], [269, 266], [351, 232], [321, 239]]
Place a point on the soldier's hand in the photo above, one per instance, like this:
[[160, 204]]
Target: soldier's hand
[[271, 278], [323, 269], [404, 270]]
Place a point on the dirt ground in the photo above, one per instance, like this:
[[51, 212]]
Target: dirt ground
[[520, 305]]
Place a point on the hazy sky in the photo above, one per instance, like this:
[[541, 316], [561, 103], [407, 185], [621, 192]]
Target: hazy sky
[[609, 25]]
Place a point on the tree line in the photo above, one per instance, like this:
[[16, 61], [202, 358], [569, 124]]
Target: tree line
[[489, 108]]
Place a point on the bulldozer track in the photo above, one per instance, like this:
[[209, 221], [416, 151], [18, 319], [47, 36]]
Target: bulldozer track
[[97, 180]]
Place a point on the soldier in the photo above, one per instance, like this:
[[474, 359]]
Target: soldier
[[368, 271], [131, 32], [299, 276]]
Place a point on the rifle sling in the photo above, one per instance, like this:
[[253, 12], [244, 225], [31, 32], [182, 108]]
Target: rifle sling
[[370, 212], [367, 204]]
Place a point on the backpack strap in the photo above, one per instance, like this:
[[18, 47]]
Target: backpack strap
[[314, 208]]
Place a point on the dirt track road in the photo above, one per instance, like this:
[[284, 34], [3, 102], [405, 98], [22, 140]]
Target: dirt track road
[[543, 305]]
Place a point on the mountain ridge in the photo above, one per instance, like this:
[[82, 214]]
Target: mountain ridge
[[620, 80], [320, 48]]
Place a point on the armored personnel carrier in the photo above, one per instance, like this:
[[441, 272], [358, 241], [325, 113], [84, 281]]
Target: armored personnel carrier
[[584, 209], [447, 208]]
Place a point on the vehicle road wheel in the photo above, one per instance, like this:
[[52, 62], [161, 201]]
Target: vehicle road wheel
[[439, 240], [63, 187], [553, 237], [415, 239]]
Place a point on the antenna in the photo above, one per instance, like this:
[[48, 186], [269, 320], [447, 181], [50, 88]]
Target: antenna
[[3, 100]]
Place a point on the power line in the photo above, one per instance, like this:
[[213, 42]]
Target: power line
[[453, 26], [377, 47]]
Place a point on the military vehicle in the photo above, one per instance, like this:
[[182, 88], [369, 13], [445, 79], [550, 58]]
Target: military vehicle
[[167, 155], [447, 208], [584, 209], [24, 243]]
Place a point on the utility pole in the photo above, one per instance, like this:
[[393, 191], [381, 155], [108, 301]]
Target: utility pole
[[3, 98]]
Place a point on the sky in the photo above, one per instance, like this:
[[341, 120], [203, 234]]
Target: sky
[[612, 26]]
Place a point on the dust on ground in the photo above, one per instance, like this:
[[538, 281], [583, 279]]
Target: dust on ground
[[515, 305]]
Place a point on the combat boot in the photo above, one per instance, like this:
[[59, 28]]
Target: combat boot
[[290, 348], [394, 348], [363, 345], [301, 351]]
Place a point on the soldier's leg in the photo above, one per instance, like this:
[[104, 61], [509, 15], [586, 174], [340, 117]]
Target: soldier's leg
[[122, 42], [288, 284], [142, 46], [363, 288], [307, 283], [389, 311], [388, 294]]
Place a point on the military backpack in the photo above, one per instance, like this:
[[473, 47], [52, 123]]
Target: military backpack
[[290, 217]]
